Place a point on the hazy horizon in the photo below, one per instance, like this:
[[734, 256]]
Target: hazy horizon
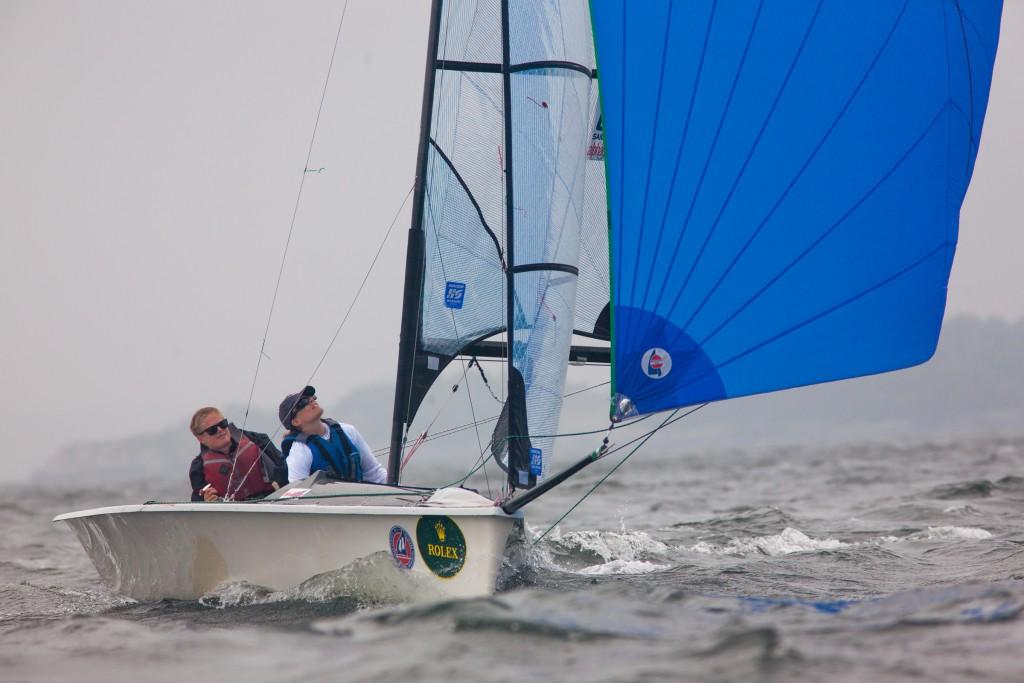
[[153, 155]]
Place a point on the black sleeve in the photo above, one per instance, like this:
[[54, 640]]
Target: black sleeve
[[278, 470], [197, 478]]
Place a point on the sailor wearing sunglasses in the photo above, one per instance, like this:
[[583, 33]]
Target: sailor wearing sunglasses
[[316, 443], [232, 464]]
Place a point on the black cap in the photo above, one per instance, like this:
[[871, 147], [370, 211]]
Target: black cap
[[286, 411]]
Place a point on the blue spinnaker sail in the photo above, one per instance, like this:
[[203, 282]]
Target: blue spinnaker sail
[[785, 180]]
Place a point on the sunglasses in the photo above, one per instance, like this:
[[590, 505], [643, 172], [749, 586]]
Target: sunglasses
[[213, 429], [302, 403]]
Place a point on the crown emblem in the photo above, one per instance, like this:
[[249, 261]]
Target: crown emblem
[[439, 528]]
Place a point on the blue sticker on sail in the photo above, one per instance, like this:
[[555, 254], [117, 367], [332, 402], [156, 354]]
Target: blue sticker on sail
[[536, 461], [454, 294]]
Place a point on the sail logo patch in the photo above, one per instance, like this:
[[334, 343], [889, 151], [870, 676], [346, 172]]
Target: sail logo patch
[[400, 543], [454, 294], [656, 363], [595, 151], [442, 545], [536, 461]]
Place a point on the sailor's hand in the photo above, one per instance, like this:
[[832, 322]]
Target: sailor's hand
[[210, 494]]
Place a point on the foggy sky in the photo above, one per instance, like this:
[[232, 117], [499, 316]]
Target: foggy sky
[[151, 157]]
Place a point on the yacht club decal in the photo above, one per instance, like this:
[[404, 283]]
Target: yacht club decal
[[442, 545], [401, 546]]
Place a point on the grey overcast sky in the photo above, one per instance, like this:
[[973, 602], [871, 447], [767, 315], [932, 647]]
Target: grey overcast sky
[[150, 158]]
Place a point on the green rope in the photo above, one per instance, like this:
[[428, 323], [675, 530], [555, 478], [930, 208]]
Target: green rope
[[600, 481]]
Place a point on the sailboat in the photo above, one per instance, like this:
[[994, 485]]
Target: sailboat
[[759, 196]]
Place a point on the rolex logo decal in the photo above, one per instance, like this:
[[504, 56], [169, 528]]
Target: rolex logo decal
[[442, 545]]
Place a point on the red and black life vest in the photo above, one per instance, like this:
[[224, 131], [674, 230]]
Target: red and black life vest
[[239, 477]]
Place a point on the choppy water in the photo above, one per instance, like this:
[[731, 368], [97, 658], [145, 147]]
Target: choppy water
[[872, 562]]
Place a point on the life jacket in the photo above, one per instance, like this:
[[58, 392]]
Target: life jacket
[[240, 477], [335, 454]]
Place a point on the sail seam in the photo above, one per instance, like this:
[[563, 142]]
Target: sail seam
[[860, 202], [703, 173], [804, 323], [793, 182], [675, 169]]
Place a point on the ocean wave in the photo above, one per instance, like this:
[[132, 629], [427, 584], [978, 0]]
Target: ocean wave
[[623, 567], [606, 552], [964, 509], [38, 566], [789, 541], [949, 533], [795, 541], [978, 488]]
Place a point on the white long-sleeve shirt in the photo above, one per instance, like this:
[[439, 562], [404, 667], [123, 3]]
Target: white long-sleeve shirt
[[300, 458]]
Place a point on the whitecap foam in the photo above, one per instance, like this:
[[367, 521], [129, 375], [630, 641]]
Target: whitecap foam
[[623, 567], [619, 552], [789, 541], [950, 533], [237, 594], [964, 509]]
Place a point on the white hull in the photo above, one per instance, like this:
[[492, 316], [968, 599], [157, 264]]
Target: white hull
[[186, 550]]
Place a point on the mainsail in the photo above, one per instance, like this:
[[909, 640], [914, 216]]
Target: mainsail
[[785, 182], [498, 213]]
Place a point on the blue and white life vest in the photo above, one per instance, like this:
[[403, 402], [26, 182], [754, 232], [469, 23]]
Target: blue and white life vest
[[335, 454]]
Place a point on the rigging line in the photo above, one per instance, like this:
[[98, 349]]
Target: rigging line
[[444, 433], [580, 391], [455, 326], [645, 435], [337, 332], [362, 284], [421, 439], [470, 425], [679, 151], [288, 240], [472, 414], [435, 115], [295, 213], [607, 474], [618, 425]]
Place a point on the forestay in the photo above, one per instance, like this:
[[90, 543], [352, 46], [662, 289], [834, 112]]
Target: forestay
[[785, 183]]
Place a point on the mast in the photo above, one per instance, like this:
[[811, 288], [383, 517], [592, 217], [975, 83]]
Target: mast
[[414, 260], [515, 401]]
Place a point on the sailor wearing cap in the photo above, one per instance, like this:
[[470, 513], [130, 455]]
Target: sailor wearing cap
[[316, 443]]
